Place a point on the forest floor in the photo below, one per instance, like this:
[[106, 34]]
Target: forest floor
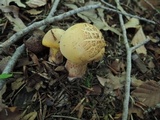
[[34, 88]]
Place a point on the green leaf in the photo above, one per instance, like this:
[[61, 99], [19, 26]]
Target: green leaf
[[5, 75]]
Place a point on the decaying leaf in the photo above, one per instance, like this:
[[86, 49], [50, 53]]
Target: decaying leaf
[[7, 2], [112, 81], [148, 93], [30, 116], [78, 105], [4, 62], [15, 20], [10, 113], [132, 23], [17, 84], [136, 82], [149, 4], [34, 43], [36, 3], [136, 110], [2, 91], [95, 90], [117, 66], [94, 16], [156, 49], [35, 59], [34, 11], [80, 111], [151, 64], [138, 38]]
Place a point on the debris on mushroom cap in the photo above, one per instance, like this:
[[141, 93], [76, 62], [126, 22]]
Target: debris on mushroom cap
[[82, 42], [52, 37]]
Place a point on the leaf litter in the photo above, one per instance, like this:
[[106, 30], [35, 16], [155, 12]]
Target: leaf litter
[[40, 89]]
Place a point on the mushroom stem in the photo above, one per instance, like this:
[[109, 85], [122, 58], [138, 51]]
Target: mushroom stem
[[55, 56], [75, 70]]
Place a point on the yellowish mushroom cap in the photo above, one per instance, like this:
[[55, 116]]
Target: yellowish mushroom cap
[[52, 37], [82, 42]]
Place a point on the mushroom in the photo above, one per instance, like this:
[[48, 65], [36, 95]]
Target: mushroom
[[51, 39], [81, 44]]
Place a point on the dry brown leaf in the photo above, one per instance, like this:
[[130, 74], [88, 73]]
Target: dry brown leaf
[[136, 110], [132, 23], [34, 11], [156, 49], [30, 116], [76, 108], [36, 3], [148, 93], [17, 83], [7, 2], [2, 91], [95, 90], [149, 4], [135, 82], [112, 81], [102, 80], [138, 38], [4, 62], [12, 114], [35, 59], [151, 65], [117, 66], [15, 20], [94, 16], [80, 111]]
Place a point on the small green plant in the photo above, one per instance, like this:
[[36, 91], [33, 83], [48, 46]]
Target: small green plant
[[88, 80], [5, 75]]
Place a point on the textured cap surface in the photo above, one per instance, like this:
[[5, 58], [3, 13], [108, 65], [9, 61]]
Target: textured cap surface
[[52, 37], [82, 42]]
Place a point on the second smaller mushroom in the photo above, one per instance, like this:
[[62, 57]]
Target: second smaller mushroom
[[81, 44], [51, 39]]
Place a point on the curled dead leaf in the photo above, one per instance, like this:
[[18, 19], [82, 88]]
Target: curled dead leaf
[[36, 3], [138, 38], [14, 19], [113, 82], [132, 23], [148, 93]]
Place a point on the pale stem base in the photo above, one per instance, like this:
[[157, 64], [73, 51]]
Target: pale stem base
[[55, 56], [75, 70]]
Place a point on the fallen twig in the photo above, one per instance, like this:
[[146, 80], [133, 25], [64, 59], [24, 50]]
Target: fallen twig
[[126, 14], [128, 69], [10, 65], [46, 21]]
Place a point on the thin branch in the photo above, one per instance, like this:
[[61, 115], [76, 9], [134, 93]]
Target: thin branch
[[106, 3], [10, 65], [140, 44], [130, 15], [51, 13], [129, 51], [128, 71], [46, 21]]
